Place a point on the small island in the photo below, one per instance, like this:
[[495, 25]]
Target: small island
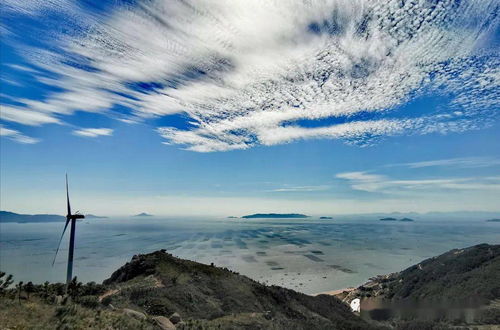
[[143, 214], [493, 220], [275, 216], [389, 219], [406, 220], [232, 217], [326, 218], [93, 216]]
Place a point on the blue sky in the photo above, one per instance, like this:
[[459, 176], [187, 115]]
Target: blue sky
[[228, 108]]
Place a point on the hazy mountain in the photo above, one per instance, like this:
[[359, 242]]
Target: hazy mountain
[[143, 214], [275, 216], [92, 216], [6, 216]]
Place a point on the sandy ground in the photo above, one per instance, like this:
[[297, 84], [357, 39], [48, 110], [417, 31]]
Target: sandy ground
[[335, 292]]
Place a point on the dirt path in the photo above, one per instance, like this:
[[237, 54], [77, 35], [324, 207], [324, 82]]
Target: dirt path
[[108, 293]]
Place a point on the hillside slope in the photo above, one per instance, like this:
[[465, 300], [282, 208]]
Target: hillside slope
[[160, 284], [461, 286], [461, 276]]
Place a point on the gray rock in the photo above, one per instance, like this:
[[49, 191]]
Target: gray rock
[[175, 318], [163, 323], [58, 300], [134, 314]]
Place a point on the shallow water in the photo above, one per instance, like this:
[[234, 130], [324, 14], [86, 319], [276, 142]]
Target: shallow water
[[307, 255]]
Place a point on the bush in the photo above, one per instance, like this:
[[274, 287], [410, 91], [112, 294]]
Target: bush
[[106, 301], [89, 301]]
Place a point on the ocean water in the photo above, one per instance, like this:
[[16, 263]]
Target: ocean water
[[307, 255]]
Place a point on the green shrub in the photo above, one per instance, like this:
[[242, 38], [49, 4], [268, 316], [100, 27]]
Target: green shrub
[[106, 301], [89, 301]]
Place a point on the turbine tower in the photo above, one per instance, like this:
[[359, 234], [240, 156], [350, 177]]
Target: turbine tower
[[69, 218]]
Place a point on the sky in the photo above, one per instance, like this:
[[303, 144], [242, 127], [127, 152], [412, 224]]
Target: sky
[[234, 107]]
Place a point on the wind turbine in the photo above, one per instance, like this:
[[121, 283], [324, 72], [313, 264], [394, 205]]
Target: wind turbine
[[72, 218]]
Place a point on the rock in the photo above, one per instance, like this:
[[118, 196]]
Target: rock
[[58, 300], [134, 314], [175, 318], [164, 323]]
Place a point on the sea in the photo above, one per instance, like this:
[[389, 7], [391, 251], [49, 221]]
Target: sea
[[309, 255]]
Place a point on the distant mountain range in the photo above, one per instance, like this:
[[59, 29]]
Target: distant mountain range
[[92, 216], [275, 216], [6, 216], [143, 214]]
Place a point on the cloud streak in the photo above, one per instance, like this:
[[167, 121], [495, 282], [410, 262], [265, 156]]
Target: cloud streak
[[93, 132], [368, 182], [301, 189], [246, 73], [17, 136], [466, 162]]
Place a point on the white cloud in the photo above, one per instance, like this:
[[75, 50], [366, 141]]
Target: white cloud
[[466, 162], [93, 132], [368, 182], [26, 116], [245, 71], [17, 136], [301, 188]]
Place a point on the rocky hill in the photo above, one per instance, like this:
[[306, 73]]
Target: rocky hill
[[457, 282], [160, 291], [161, 284]]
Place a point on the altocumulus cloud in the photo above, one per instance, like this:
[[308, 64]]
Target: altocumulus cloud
[[250, 72]]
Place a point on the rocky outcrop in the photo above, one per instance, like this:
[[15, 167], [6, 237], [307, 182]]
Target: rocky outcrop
[[163, 323], [134, 314]]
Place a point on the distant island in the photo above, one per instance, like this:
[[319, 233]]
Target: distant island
[[232, 217], [406, 220], [493, 220], [276, 216], [6, 216], [388, 219], [143, 214], [92, 216], [326, 218]]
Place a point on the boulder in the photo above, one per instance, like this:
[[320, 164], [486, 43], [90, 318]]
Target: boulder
[[134, 314], [175, 318], [163, 323], [58, 300]]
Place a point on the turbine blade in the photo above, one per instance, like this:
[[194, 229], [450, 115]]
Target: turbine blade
[[60, 240], [67, 195]]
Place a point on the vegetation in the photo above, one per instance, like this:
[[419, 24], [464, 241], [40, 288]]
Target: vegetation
[[463, 276], [460, 287], [160, 284], [155, 287]]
